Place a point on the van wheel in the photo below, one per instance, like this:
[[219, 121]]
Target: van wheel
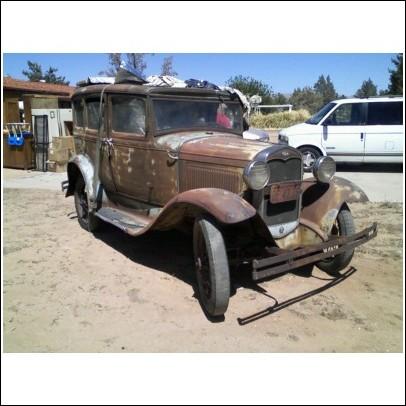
[[343, 226], [212, 271], [310, 156], [87, 221]]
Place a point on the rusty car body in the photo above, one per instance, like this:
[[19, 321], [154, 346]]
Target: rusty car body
[[142, 163]]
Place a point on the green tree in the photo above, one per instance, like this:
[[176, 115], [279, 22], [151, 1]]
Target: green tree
[[250, 87], [396, 76], [51, 77], [306, 98], [279, 98], [34, 72], [167, 67], [367, 89], [325, 88]]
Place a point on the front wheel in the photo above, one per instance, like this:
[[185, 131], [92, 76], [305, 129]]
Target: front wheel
[[212, 270], [343, 226], [310, 156]]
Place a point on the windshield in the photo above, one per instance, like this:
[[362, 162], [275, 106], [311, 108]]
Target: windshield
[[315, 119], [175, 114]]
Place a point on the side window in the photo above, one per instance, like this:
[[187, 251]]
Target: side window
[[92, 108], [385, 113], [128, 114], [78, 110], [347, 114]]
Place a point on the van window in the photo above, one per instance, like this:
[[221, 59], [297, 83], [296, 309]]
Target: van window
[[347, 114], [385, 113], [315, 119], [128, 114], [92, 108], [78, 113]]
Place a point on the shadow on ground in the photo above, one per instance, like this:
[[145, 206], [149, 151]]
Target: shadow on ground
[[172, 252]]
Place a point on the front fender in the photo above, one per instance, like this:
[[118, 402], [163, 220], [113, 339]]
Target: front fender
[[226, 207], [321, 202], [80, 165]]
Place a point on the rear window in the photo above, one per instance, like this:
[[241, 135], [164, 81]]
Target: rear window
[[128, 114], [78, 113], [347, 114], [385, 113], [92, 107]]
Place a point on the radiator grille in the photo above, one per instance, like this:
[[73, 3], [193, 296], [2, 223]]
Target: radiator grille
[[194, 176], [283, 171]]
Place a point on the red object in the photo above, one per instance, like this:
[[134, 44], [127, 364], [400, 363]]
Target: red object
[[223, 120]]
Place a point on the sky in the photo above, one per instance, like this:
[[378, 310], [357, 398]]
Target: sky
[[283, 72]]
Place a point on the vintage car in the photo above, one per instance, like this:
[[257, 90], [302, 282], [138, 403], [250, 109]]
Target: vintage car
[[157, 158]]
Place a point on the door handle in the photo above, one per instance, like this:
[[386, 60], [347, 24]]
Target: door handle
[[362, 136]]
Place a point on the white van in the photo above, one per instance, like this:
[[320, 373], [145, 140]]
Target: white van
[[351, 130]]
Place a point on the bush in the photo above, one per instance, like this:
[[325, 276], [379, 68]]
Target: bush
[[278, 120]]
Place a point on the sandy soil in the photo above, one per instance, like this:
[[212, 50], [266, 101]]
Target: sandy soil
[[66, 290]]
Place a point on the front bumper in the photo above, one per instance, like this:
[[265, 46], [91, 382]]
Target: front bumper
[[285, 260]]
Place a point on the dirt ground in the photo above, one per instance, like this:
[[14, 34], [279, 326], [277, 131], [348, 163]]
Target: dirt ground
[[66, 290]]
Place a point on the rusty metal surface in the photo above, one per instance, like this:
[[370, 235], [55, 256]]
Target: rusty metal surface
[[224, 206], [195, 175], [322, 202], [188, 172], [285, 261], [222, 147]]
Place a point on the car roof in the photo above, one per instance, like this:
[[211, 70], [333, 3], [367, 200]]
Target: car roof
[[150, 90], [368, 99]]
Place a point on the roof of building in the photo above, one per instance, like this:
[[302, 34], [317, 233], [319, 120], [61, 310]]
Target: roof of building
[[26, 86]]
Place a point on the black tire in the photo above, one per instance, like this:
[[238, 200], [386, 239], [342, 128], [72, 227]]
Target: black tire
[[343, 226], [310, 156], [87, 221], [212, 270]]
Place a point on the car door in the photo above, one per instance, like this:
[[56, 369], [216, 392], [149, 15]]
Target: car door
[[343, 135], [384, 132], [128, 147]]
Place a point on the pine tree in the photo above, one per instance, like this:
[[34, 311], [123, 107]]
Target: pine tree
[[325, 88], [396, 76], [367, 89], [34, 72]]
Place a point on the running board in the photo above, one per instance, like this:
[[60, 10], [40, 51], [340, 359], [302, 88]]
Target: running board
[[124, 221]]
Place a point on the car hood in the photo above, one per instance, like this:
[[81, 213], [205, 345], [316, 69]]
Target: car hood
[[206, 146], [299, 129]]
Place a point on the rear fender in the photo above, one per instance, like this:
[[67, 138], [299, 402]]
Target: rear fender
[[80, 165], [322, 202]]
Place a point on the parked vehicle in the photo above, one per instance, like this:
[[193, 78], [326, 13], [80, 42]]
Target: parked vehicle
[[351, 130], [158, 158]]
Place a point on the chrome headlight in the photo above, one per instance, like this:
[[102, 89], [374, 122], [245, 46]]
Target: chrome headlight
[[256, 175], [324, 169]]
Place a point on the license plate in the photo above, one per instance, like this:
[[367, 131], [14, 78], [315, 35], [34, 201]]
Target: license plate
[[285, 192]]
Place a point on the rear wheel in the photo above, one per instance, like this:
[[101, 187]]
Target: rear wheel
[[343, 226], [310, 156], [87, 220], [212, 270]]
